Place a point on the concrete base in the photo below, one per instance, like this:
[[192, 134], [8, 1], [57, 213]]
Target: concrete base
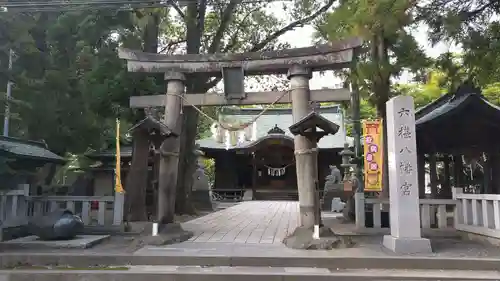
[[407, 245], [302, 238], [33, 242], [167, 234]]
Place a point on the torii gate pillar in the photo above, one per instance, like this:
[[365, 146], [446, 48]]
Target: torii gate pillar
[[169, 149], [304, 148]]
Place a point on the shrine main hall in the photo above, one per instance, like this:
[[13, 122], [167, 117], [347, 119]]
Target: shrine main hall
[[260, 158]]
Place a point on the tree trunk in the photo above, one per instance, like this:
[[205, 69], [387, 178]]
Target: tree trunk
[[187, 163], [382, 88], [137, 179], [195, 15]]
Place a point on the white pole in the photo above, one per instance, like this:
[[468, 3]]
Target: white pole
[[155, 229], [316, 232], [9, 94]]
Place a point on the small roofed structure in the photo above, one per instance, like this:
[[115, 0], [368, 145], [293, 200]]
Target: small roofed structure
[[139, 164], [147, 136], [463, 127], [309, 125], [152, 125], [21, 160], [28, 150], [458, 122]]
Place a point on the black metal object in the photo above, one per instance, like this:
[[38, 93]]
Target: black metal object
[[234, 82], [56, 225]]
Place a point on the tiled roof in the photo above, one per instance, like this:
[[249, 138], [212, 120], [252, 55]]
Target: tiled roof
[[283, 119], [125, 152], [28, 149]]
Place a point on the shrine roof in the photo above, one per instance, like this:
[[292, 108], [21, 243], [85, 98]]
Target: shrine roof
[[150, 123], [125, 152], [458, 121], [27, 149], [282, 118]]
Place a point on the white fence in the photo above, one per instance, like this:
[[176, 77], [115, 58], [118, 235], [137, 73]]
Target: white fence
[[94, 210], [434, 213], [478, 213]]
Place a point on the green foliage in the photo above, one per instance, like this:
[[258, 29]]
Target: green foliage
[[473, 25], [209, 165], [71, 83], [389, 46]]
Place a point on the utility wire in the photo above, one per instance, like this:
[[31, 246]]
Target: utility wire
[[61, 5]]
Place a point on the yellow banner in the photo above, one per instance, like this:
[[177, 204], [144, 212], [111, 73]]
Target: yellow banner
[[373, 154], [118, 178]]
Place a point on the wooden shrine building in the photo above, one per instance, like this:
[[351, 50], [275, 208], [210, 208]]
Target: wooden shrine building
[[26, 162], [261, 158], [457, 137]]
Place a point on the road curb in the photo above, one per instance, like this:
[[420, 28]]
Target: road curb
[[204, 275], [11, 260]]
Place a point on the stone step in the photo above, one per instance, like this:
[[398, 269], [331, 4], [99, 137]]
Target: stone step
[[221, 273]]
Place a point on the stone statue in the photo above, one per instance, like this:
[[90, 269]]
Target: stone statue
[[333, 187], [56, 225], [333, 180]]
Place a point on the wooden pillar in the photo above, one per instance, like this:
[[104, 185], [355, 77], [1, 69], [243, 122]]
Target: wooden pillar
[[254, 175], [421, 175], [169, 149], [495, 173], [433, 174], [446, 184], [487, 176], [304, 149], [457, 170]]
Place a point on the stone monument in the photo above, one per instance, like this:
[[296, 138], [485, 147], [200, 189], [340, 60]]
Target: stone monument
[[405, 235], [201, 188]]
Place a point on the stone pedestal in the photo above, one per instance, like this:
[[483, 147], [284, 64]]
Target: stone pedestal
[[404, 245], [405, 235]]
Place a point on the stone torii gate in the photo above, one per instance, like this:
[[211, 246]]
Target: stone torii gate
[[298, 64]]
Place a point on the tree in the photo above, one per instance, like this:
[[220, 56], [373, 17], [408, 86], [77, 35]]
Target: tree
[[68, 79], [389, 47], [473, 25]]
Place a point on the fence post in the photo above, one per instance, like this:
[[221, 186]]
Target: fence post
[[458, 212], [359, 207], [23, 203], [118, 206]]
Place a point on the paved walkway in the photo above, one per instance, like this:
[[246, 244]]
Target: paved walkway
[[253, 222]]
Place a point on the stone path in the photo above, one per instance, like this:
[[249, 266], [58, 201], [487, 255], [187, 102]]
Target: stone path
[[253, 222]]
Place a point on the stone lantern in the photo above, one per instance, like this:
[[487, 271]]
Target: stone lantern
[[347, 157]]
